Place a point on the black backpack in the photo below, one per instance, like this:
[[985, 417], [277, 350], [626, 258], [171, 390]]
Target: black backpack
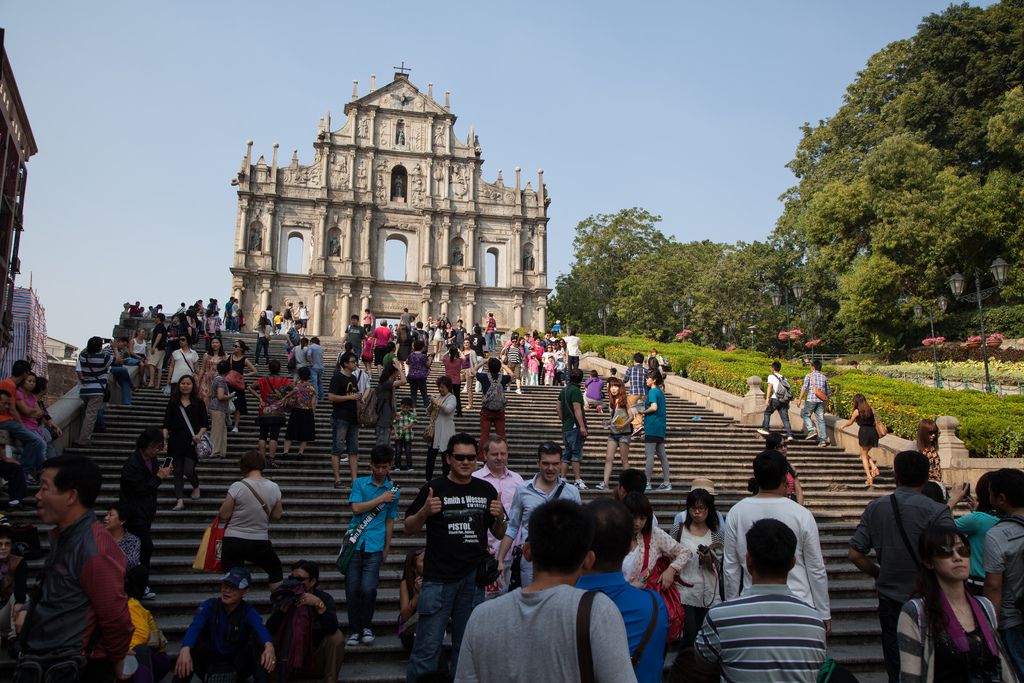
[[1018, 600]]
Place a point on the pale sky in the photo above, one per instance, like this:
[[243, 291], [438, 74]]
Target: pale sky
[[141, 112]]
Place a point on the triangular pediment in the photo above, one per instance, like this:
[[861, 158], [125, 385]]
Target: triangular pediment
[[399, 95]]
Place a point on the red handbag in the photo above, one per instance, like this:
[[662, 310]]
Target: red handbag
[[212, 562], [673, 602]]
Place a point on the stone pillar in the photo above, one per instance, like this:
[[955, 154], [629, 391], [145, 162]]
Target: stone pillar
[[517, 311], [268, 232], [242, 229], [344, 313], [364, 301], [541, 320], [515, 269], [753, 402], [446, 242], [950, 446], [424, 305], [317, 315], [364, 239], [318, 244], [471, 244], [445, 300], [469, 313], [542, 251], [264, 303]]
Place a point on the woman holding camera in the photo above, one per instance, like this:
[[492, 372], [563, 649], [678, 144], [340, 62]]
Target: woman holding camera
[[701, 575]]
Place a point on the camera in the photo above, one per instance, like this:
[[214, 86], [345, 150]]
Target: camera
[[703, 549]]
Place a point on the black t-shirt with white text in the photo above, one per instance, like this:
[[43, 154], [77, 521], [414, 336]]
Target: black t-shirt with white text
[[457, 535]]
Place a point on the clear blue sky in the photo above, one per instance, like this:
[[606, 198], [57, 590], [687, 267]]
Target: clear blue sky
[[141, 112]]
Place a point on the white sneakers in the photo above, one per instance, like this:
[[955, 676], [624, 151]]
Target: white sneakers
[[580, 485]]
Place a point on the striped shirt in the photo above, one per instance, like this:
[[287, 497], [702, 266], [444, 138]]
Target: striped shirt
[[636, 380], [93, 369], [767, 634]]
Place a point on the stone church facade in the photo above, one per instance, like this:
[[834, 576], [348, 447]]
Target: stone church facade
[[393, 172]]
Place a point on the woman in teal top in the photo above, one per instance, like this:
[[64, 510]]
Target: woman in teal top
[[975, 525], [654, 429]]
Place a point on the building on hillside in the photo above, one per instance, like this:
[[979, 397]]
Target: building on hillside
[[58, 351], [27, 333], [16, 146], [392, 184]]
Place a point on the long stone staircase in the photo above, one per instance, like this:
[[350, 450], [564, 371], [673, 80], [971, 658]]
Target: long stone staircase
[[699, 443]]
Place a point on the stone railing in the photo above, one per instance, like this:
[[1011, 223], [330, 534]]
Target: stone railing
[[68, 410], [957, 464]]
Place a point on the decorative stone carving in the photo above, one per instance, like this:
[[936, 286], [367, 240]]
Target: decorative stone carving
[[459, 181], [334, 246], [256, 238], [417, 184], [457, 258], [339, 169], [439, 134], [362, 176]]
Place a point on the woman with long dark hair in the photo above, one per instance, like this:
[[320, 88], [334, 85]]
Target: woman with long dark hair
[[244, 367], [928, 443], [702, 575], [264, 329], [975, 525], [208, 368], [867, 435], [654, 429], [620, 429], [945, 633], [185, 423], [409, 597]]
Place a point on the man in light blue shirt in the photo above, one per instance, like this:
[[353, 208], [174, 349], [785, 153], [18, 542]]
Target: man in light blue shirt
[[315, 356], [546, 485], [373, 545], [646, 619]]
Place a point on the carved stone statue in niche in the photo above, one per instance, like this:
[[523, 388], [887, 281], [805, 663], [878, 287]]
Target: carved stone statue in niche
[[439, 135], [400, 132], [398, 187], [364, 128], [459, 179], [528, 261], [334, 246], [417, 184], [457, 258], [256, 238]]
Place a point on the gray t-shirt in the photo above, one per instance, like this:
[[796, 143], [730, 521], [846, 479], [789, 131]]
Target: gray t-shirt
[[878, 530], [249, 520], [1004, 544], [544, 647]]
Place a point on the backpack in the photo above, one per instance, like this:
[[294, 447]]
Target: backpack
[[784, 394], [368, 411], [1018, 600], [494, 398]]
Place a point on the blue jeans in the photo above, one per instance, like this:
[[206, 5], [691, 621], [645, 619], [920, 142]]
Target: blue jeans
[[33, 448], [573, 442], [818, 409], [316, 377], [124, 382], [344, 437], [491, 340], [361, 589], [783, 409], [262, 343], [1013, 641], [438, 602]]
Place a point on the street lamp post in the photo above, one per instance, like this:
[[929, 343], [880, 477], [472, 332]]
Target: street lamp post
[[752, 328], [999, 269], [604, 322], [919, 310], [780, 296]]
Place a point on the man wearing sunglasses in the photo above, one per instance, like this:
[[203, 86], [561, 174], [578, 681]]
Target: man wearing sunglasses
[[457, 510]]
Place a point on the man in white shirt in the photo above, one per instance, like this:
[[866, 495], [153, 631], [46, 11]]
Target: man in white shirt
[[303, 316], [807, 579], [496, 472], [572, 350], [778, 396]]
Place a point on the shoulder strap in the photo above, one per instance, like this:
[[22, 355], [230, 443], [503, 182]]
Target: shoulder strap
[[262, 504], [1015, 520], [584, 657], [635, 659], [558, 491], [186, 361], [903, 532], [188, 422]]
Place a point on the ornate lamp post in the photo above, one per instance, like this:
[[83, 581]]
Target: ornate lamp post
[[780, 296], [999, 269], [604, 322], [752, 328], [919, 310]]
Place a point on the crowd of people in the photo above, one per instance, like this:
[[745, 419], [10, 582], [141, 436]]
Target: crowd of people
[[594, 592]]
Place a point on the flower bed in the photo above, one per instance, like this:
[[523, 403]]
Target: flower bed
[[1001, 372], [988, 424]]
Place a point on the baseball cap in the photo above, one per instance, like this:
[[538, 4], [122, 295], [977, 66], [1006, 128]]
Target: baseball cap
[[239, 577]]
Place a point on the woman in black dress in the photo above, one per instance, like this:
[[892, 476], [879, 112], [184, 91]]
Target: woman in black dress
[[185, 422], [867, 435], [404, 343], [244, 367]]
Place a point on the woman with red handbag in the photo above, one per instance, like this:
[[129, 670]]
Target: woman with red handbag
[[655, 561]]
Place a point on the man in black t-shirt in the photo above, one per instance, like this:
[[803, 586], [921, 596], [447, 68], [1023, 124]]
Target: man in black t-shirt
[[457, 510], [344, 394]]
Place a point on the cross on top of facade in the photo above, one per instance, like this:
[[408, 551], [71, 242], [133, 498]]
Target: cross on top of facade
[[404, 70]]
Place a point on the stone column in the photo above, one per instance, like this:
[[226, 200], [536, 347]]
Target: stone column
[[318, 244], [541, 320], [469, 313], [517, 255], [264, 303], [517, 311], [471, 244], [364, 302], [268, 232], [424, 305], [364, 246], [446, 242], [317, 315], [542, 251], [242, 230], [753, 402], [344, 313], [950, 446]]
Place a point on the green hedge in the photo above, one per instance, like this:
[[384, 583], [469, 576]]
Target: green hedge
[[988, 424]]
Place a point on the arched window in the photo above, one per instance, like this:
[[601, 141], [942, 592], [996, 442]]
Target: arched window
[[399, 182], [293, 260], [395, 254], [491, 268]]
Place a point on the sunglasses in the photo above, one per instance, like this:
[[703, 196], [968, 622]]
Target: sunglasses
[[463, 457], [944, 552]]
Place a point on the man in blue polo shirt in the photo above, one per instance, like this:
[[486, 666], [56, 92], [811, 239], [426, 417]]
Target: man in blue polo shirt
[[372, 547], [646, 619]]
